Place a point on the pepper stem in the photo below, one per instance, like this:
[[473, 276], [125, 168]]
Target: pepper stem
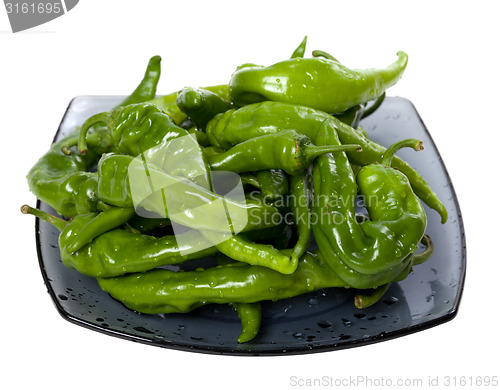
[[68, 144], [310, 152], [406, 143], [92, 139], [54, 221], [419, 258], [324, 54], [362, 301], [82, 141]]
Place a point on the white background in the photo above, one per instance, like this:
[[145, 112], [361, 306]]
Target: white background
[[101, 48]]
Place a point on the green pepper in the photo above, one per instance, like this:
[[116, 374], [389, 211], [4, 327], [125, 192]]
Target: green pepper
[[199, 136], [63, 181], [211, 150], [163, 291], [86, 227], [134, 128], [236, 126], [271, 234], [240, 248], [374, 252], [273, 184], [147, 225], [250, 316], [319, 83], [286, 150], [300, 50], [369, 298], [106, 251], [146, 89], [201, 105], [299, 205], [168, 103], [113, 185]]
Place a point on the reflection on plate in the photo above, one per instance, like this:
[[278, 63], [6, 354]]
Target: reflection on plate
[[319, 321]]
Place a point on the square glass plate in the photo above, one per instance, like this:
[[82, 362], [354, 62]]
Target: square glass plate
[[320, 321]]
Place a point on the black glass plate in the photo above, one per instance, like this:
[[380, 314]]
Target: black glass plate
[[320, 321]]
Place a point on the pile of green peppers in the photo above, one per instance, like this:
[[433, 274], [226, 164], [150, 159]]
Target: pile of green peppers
[[291, 131]]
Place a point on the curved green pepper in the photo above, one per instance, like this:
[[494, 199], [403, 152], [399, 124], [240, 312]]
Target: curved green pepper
[[106, 251], [201, 105], [373, 252], [146, 89], [286, 150], [300, 50], [319, 83], [250, 316], [113, 185], [240, 248], [63, 181], [168, 103], [299, 205], [134, 128], [163, 291]]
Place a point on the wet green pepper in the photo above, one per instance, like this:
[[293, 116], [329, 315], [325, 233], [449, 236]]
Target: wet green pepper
[[201, 105], [240, 248], [168, 103], [134, 128], [146, 89], [273, 184], [374, 252], [114, 251], [300, 50], [164, 291], [147, 225], [250, 316], [113, 185], [286, 150], [63, 182], [370, 297], [299, 205], [319, 83]]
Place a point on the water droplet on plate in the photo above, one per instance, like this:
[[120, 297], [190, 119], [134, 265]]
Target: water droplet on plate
[[346, 322], [324, 324]]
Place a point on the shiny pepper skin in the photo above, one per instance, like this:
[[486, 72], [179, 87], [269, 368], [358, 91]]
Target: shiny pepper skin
[[286, 150], [320, 83], [134, 128]]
